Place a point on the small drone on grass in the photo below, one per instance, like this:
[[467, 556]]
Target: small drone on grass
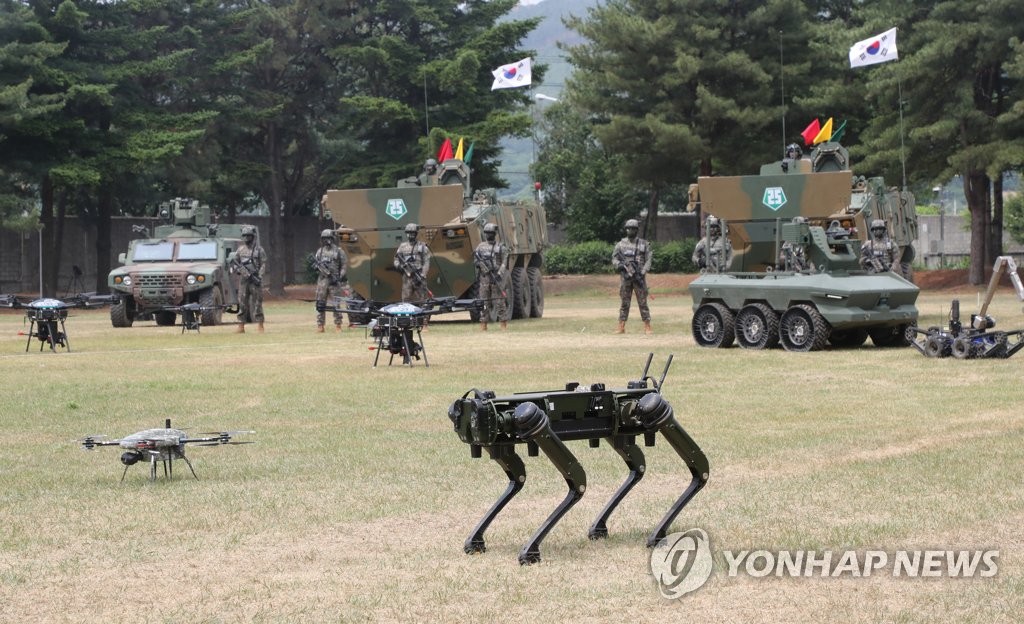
[[161, 445]]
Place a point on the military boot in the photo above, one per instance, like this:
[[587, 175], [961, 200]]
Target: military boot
[[259, 327], [337, 328], [240, 329], [320, 329], [621, 329], [504, 325], [647, 328], [483, 325]]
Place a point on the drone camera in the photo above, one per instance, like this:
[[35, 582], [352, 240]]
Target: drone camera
[[130, 457]]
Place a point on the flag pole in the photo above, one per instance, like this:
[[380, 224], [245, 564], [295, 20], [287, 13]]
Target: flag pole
[[426, 113], [782, 85], [903, 157]]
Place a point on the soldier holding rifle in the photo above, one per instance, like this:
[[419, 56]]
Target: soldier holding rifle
[[250, 263], [332, 281], [412, 258], [491, 258], [632, 259]]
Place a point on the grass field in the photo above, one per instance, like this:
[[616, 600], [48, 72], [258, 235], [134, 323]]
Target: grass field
[[354, 503]]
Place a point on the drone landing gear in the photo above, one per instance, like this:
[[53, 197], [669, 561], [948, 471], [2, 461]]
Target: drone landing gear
[[400, 341], [168, 463], [49, 329]]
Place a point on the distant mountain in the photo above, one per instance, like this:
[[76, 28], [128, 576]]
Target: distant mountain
[[518, 153]]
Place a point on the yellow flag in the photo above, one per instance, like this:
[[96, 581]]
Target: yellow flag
[[458, 150], [825, 134]]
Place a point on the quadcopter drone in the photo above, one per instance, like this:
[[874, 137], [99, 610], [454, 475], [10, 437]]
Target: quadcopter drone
[[191, 315], [393, 325], [161, 445], [46, 316]]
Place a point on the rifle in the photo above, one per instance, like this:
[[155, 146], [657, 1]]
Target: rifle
[[324, 270], [250, 274], [631, 269], [492, 271], [405, 262]]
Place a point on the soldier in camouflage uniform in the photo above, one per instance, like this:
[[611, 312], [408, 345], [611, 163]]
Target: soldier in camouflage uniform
[[878, 254], [332, 281], [714, 251], [632, 259], [412, 259], [793, 256], [250, 264], [491, 258]]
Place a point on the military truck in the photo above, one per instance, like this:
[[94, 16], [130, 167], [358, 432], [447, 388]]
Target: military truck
[[760, 303], [186, 261], [451, 216]]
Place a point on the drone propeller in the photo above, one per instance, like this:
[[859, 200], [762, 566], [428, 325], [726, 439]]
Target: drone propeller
[[91, 441], [228, 442]]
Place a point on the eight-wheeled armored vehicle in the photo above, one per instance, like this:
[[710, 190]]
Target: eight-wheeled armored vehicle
[[451, 216], [816, 205], [186, 261]]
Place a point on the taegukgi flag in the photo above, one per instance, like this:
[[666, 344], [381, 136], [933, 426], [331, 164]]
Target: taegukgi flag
[[512, 75], [877, 49]]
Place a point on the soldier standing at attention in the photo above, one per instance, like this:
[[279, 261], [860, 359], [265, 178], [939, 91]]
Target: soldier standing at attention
[[412, 259], [878, 254], [251, 264], [714, 251], [632, 259], [332, 281], [491, 258]]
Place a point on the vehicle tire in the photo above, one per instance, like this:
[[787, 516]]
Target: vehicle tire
[[520, 293], [213, 300], [802, 328], [896, 336], [122, 313], [757, 327], [714, 326], [963, 348], [848, 338], [164, 318], [536, 292], [937, 346]]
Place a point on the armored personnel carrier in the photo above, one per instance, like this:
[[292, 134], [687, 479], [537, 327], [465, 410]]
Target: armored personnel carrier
[[186, 261], [817, 206], [451, 216]]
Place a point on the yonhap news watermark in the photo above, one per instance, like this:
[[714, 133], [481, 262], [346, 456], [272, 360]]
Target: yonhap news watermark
[[682, 563]]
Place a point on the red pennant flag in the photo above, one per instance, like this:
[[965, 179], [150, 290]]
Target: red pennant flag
[[445, 153], [810, 132]]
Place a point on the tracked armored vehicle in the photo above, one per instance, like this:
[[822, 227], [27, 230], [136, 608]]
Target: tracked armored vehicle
[[186, 261], [451, 216], [761, 301]]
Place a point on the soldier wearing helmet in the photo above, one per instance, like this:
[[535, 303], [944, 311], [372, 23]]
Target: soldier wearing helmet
[[632, 259], [491, 259], [412, 259], [250, 264], [793, 255], [878, 253], [331, 265], [429, 175], [713, 253]]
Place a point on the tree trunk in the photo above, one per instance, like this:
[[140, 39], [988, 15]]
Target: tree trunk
[[976, 190], [47, 253], [103, 210], [273, 199], [651, 224], [996, 227], [58, 236]]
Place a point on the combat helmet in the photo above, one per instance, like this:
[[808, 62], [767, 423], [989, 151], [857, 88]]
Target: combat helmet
[[795, 150], [632, 223], [412, 228], [327, 234], [248, 230], [877, 224], [491, 228]]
